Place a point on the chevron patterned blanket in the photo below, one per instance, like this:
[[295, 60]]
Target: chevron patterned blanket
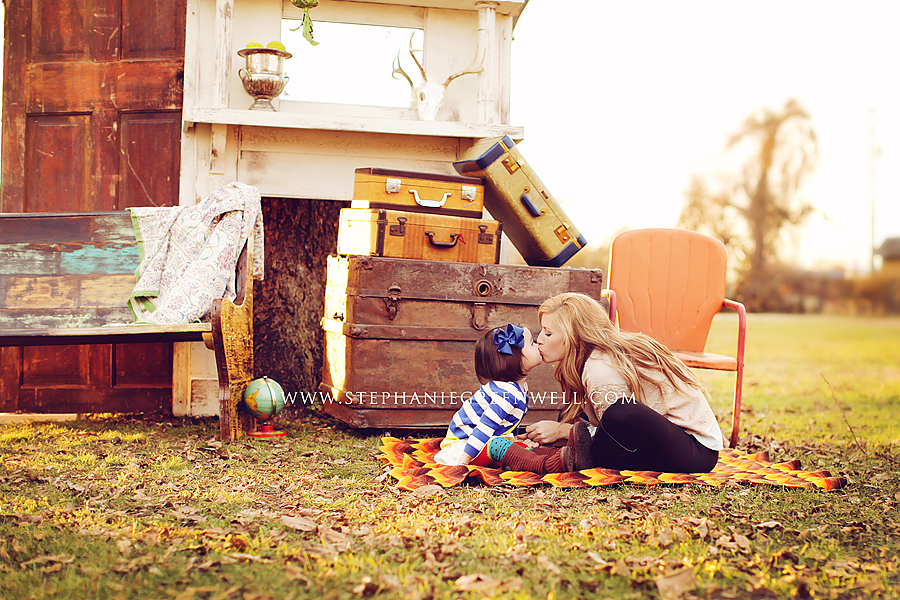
[[414, 467]]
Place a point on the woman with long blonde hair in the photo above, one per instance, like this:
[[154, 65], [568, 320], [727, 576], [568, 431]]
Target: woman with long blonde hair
[[646, 409]]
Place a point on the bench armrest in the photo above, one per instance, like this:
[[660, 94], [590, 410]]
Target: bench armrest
[[232, 340]]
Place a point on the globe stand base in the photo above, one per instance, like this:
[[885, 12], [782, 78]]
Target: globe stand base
[[267, 432]]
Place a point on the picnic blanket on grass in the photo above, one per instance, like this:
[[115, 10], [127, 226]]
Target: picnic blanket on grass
[[414, 467]]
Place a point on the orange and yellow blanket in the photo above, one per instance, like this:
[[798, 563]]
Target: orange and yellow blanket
[[414, 467]]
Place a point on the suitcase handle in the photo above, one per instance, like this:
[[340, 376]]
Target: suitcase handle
[[530, 207], [429, 203], [454, 237]]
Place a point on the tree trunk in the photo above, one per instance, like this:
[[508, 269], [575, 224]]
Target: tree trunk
[[288, 303]]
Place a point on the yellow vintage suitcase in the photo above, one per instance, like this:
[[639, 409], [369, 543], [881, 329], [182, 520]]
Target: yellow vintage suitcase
[[401, 234], [418, 192], [531, 217]]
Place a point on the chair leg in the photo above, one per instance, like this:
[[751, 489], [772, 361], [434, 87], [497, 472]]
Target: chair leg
[[739, 376], [736, 405]]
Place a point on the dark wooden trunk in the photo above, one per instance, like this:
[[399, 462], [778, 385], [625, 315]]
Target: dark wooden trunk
[[400, 334], [289, 342]]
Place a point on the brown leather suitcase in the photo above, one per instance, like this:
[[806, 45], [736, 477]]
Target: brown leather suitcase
[[401, 234], [400, 335], [412, 191]]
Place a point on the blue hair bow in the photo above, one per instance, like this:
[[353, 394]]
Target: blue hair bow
[[509, 338]]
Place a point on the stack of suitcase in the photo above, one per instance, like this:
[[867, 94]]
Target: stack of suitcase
[[417, 281]]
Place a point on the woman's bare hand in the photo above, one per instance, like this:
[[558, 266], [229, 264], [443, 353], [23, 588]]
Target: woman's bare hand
[[543, 432]]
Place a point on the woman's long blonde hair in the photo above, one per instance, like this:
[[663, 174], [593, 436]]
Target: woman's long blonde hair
[[586, 327]]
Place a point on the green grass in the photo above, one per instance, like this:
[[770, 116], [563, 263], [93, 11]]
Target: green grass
[[116, 507], [805, 375]]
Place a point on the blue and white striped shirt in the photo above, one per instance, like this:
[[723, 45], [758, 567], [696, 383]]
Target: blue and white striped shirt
[[495, 409]]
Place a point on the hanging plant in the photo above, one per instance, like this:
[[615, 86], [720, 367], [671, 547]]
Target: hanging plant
[[306, 24]]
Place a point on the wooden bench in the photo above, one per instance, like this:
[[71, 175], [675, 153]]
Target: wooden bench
[[65, 278]]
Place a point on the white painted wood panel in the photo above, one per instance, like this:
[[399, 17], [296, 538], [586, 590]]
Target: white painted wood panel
[[322, 163], [283, 120]]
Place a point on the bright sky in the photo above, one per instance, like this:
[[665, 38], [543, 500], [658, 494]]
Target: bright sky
[[622, 101]]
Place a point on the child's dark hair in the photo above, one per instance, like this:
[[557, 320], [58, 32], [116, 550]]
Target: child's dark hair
[[491, 365]]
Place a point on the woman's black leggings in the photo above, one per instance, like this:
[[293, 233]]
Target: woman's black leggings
[[633, 436]]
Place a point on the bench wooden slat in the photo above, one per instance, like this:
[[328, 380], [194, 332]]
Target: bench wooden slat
[[69, 291], [66, 228], [15, 320], [106, 335], [69, 259]]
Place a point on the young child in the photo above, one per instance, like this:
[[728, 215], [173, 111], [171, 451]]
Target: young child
[[503, 357]]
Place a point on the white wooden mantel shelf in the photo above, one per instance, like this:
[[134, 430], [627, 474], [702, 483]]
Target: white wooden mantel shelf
[[287, 120]]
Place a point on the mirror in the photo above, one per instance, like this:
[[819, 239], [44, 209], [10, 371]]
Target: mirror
[[352, 64]]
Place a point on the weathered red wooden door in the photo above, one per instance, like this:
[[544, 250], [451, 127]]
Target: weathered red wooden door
[[92, 97]]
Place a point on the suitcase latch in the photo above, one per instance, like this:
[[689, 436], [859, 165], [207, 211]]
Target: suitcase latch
[[510, 163], [392, 186], [469, 193], [479, 315], [484, 237], [398, 229], [392, 302], [562, 233]]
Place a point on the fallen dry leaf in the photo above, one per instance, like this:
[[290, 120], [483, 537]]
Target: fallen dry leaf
[[52, 568], [675, 585], [545, 562], [50, 558], [294, 573], [250, 557], [298, 523], [428, 490], [333, 540], [620, 568], [474, 583]]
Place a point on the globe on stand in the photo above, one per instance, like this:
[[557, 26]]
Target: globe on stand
[[264, 399]]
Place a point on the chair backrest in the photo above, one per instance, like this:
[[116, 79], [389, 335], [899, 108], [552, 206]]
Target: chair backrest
[[669, 283]]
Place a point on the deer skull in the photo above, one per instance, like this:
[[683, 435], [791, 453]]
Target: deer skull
[[428, 95]]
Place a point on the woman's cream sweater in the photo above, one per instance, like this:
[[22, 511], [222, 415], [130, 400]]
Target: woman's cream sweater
[[684, 406]]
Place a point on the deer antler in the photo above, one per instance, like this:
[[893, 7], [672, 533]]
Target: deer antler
[[412, 53], [398, 70], [477, 66], [428, 95]]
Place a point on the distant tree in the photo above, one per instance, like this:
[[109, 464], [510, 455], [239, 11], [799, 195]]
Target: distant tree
[[754, 210]]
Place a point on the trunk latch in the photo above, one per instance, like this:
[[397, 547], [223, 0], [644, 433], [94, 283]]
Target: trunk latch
[[392, 302]]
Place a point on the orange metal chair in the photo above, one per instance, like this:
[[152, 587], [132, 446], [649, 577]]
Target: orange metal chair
[[669, 284]]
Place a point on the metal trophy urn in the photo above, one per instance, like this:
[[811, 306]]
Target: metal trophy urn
[[263, 76]]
